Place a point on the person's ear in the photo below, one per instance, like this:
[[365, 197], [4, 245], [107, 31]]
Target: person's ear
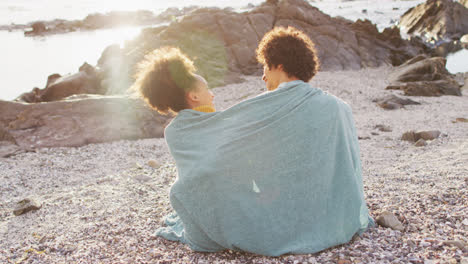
[[280, 67], [192, 96]]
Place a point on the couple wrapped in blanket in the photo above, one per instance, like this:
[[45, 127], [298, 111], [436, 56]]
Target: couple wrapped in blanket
[[278, 173]]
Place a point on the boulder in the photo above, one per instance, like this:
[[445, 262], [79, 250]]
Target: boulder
[[223, 42], [422, 76], [436, 20], [392, 102], [58, 87], [418, 69], [76, 122]]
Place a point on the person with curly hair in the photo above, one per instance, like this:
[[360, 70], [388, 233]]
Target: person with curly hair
[[167, 81], [287, 54]]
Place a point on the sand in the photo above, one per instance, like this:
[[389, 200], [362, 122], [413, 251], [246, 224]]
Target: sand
[[101, 203]]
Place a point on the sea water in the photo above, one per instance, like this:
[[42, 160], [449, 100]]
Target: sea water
[[458, 61]]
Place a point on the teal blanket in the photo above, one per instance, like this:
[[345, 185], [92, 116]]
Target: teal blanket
[[278, 173]]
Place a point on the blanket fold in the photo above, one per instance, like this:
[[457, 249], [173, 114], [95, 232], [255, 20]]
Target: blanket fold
[[278, 173]]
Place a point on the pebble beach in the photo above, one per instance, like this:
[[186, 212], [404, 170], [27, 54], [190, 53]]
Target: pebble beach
[[101, 203]]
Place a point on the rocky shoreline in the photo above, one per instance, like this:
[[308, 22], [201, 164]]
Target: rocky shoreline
[[99, 21], [102, 202]]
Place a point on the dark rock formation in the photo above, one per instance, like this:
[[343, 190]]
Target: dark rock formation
[[76, 122], [86, 81], [223, 42], [436, 20], [392, 102], [424, 77]]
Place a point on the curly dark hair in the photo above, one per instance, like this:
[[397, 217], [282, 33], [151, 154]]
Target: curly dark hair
[[291, 48], [163, 78]]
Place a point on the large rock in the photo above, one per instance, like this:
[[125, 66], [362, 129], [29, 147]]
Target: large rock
[[422, 76], [86, 81], [76, 122], [223, 42], [436, 20]]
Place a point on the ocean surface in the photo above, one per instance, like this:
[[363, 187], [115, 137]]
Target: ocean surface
[[27, 61]]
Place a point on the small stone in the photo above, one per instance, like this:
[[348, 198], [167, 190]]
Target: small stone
[[420, 143], [153, 164], [383, 128], [461, 120], [425, 244], [375, 133], [142, 178], [429, 135], [363, 138], [138, 165], [464, 260], [387, 219], [454, 243], [465, 222], [344, 261], [26, 205], [409, 136]]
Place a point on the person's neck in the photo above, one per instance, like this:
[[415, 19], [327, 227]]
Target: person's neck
[[285, 78]]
